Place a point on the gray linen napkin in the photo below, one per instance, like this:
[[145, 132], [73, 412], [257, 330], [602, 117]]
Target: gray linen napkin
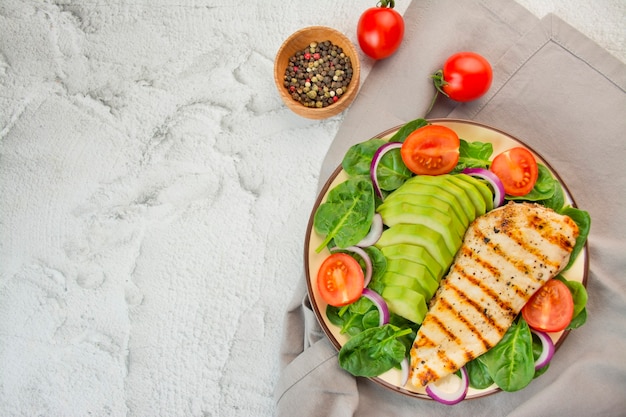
[[565, 97]]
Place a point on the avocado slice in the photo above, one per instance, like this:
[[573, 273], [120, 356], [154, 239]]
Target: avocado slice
[[413, 253], [411, 275], [482, 187], [419, 209], [439, 187], [418, 234], [406, 303], [479, 205], [445, 224], [431, 196]]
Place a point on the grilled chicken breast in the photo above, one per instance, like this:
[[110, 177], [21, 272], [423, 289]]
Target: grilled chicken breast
[[506, 255]]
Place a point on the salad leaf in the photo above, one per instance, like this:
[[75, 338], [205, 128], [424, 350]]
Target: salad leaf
[[578, 321], [473, 155], [537, 350], [379, 263], [579, 294], [373, 351], [478, 374], [346, 215], [510, 363], [583, 220], [557, 200], [358, 158], [391, 172], [406, 130]]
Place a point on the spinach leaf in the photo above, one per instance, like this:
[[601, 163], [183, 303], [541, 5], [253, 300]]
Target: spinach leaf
[[544, 188], [510, 363], [473, 155], [346, 215], [373, 351], [391, 171], [578, 320], [370, 319], [579, 294], [354, 318], [359, 157], [379, 262], [406, 130], [478, 375], [557, 201], [583, 220], [537, 350]]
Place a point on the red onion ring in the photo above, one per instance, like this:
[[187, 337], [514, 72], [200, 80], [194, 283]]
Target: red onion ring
[[496, 184], [404, 367], [380, 304], [449, 398], [547, 351], [378, 155], [376, 230]]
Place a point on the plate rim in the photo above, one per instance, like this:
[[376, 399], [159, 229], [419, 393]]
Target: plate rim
[[324, 190]]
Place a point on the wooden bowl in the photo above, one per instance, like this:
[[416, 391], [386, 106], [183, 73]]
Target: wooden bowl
[[299, 41]]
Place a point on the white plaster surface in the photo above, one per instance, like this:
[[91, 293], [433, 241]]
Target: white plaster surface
[[154, 194]]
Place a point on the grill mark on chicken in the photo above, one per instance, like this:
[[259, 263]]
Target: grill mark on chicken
[[497, 249], [554, 236], [506, 256], [463, 319], [451, 336], [480, 309], [424, 342], [519, 238], [496, 273], [443, 357]]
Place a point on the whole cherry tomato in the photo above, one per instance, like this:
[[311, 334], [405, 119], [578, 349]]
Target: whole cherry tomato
[[380, 30], [465, 76]]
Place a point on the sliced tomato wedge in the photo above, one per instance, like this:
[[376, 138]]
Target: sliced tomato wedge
[[340, 279], [551, 308], [517, 169], [431, 150]]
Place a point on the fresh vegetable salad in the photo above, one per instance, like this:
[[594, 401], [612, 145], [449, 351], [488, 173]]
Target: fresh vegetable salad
[[377, 299]]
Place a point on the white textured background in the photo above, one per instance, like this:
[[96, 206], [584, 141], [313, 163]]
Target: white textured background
[[154, 194]]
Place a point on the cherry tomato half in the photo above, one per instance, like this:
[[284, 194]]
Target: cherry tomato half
[[465, 76], [517, 169], [551, 308], [340, 279], [431, 150], [380, 31]]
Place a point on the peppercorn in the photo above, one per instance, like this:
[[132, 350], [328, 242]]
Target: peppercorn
[[318, 75]]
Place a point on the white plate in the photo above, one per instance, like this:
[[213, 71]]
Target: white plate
[[471, 132]]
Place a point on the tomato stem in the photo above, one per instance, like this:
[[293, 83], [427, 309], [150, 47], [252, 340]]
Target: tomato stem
[[439, 82], [386, 3]]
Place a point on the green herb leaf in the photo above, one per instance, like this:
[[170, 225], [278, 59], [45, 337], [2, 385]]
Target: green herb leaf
[[583, 220], [478, 374], [373, 351], [346, 216], [407, 129], [537, 350], [359, 157], [578, 320], [510, 363], [392, 172], [473, 155]]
